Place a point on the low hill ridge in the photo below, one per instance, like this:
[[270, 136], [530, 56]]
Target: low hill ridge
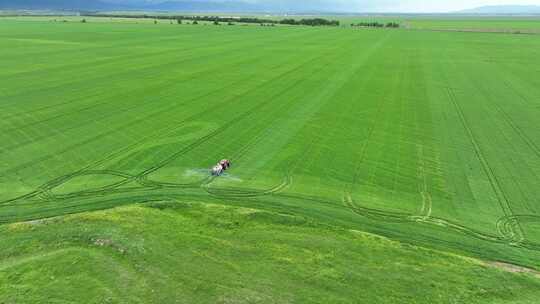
[[504, 10]]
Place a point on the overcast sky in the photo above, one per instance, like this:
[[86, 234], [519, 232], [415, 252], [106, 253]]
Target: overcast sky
[[434, 5], [368, 5]]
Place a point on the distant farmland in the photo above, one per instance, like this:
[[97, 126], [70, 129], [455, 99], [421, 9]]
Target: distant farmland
[[430, 138], [526, 24]]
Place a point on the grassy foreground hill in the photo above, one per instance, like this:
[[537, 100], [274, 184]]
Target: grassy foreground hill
[[171, 252]]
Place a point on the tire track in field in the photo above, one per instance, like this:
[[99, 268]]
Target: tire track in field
[[135, 195], [235, 157], [83, 50], [395, 217], [156, 69], [517, 92], [287, 180], [240, 117], [160, 112], [509, 228], [517, 234], [291, 168], [206, 181], [370, 132], [506, 225], [157, 86], [515, 127], [246, 147], [117, 130], [137, 43], [232, 122], [140, 179], [161, 85], [33, 139], [28, 113], [47, 194], [531, 144], [527, 141], [363, 148], [148, 71], [140, 42], [82, 77], [143, 178], [56, 182], [427, 203], [420, 127], [193, 74], [94, 192], [373, 214], [237, 192], [118, 60]]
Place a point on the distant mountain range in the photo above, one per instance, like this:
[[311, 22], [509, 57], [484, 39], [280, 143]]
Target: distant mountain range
[[55, 4], [111, 5], [504, 10], [176, 5], [202, 6]]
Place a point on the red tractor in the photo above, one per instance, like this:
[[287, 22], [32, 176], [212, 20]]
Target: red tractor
[[221, 167], [225, 164]]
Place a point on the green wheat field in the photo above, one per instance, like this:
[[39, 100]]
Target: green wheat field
[[368, 166]]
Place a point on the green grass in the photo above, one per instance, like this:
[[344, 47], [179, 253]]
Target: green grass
[[423, 137], [200, 253], [477, 23], [89, 19]]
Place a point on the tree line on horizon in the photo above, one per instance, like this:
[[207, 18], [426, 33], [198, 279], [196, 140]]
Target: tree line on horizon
[[376, 24], [229, 20]]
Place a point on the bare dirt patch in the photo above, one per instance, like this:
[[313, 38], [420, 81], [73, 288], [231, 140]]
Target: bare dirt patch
[[514, 268]]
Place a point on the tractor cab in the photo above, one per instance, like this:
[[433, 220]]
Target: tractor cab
[[222, 166]]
